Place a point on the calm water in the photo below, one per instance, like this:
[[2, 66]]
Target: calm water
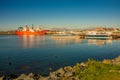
[[24, 54]]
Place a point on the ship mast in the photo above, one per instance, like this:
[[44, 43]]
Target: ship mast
[[32, 26]]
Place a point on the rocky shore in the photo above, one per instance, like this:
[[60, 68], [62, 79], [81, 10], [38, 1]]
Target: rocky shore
[[90, 70]]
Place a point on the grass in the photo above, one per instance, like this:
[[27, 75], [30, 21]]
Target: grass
[[109, 76], [95, 70]]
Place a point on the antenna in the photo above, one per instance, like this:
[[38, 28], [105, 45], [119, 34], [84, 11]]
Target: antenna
[[32, 26]]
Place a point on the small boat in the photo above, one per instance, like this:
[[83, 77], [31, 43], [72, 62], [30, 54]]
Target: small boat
[[98, 35], [30, 31]]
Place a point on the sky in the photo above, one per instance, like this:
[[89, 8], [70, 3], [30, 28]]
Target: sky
[[59, 13]]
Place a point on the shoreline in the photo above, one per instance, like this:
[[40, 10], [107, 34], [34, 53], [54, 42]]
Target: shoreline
[[81, 71], [60, 37]]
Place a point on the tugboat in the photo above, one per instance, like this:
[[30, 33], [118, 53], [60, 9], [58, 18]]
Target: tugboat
[[30, 31]]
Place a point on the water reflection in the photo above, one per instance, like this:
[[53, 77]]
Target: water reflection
[[62, 41], [99, 42], [29, 41]]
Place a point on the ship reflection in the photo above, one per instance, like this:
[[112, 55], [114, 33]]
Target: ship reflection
[[99, 42], [30, 41]]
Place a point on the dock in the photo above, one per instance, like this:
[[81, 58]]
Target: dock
[[7, 32], [116, 35], [67, 37]]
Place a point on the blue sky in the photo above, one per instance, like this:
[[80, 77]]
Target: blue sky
[[59, 13]]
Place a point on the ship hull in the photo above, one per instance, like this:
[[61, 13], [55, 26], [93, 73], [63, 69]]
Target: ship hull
[[30, 33], [98, 37]]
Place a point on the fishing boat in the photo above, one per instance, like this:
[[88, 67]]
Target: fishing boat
[[98, 35], [30, 31]]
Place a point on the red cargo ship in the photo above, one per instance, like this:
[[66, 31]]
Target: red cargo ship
[[30, 31]]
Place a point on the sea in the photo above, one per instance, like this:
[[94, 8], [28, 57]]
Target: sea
[[42, 54]]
